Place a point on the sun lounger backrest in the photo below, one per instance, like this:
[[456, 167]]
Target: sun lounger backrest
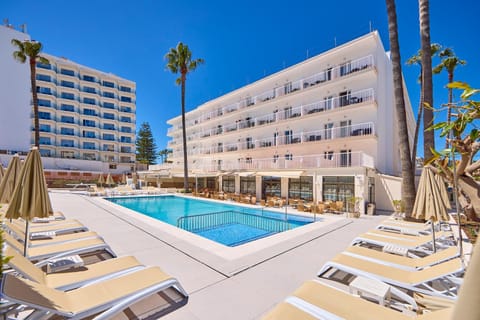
[[12, 242], [23, 266]]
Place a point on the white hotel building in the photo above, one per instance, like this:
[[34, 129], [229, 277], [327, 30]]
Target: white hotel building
[[87, 117], [323, 129]]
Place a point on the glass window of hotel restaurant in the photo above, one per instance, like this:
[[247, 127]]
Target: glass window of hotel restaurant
[[228, 184], [301, 188], [247, 185], [338, 188], [271, 187]]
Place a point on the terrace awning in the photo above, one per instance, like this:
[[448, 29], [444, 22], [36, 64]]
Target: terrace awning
[[246, 174], [285, 174]]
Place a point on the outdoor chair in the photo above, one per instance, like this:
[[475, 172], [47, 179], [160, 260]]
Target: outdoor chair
[[253, 200], [438, 280], [40, 234], [402, 262], [74, 277], [84, 246], [315, 300], [103, 299], [59, 227]]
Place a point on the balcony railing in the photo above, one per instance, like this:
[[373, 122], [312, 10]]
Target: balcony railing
[[361, 64], [331, 160]]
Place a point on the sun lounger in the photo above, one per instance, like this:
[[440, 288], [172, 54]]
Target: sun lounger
[[438, 280], [40, 237], [84, 246], [59, 227], [103, 299], [75, 277], [315, 300], [443, 237], [420, 243], [403, 262]]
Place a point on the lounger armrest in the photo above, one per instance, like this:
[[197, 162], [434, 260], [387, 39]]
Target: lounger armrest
[[42, 235], [65, 263]]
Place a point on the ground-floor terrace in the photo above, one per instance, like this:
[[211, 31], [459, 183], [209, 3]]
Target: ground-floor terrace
[[241, 282]]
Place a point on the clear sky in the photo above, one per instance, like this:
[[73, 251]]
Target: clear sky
[[240, 41]]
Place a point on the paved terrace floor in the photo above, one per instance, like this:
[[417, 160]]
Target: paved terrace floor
[[243, 285]]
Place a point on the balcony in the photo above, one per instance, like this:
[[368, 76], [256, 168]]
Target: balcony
[[332, 160], [362, 64]]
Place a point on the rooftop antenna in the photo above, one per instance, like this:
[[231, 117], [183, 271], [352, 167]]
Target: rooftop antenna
[[307, 53], [23, 27], [370, 24], [283, 64], [5, 22], [335, 41]]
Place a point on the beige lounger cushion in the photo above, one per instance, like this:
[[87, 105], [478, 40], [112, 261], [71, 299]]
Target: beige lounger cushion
[[411, 244], [78, 275], [49, 226], [400, 275], [348, 306], [414, 263], [438, 235], [85, 298], [286, 311]]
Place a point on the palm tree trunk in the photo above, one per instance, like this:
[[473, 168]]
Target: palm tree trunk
[[184, 134], [33, 83], [408, 184], [427, 85], [417, 131], [449, 110]]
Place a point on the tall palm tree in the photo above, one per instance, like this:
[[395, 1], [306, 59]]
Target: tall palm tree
[[31, 50], [408, 184], [427, 83], [449, 63], [180, 61], [417, 60]]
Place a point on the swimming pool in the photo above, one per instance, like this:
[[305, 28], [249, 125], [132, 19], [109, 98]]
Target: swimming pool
[[225, 223]]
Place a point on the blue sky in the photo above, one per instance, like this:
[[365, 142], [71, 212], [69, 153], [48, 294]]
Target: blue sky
[[240, 42]]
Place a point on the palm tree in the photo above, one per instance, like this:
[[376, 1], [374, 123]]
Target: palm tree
[[180, 61], [427, 84], [449, 63], [31, 49], [163, 154], [408, 184], [417, 60]]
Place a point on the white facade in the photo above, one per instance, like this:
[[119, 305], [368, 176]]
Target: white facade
[[85, 115], [15, 95], [329, 120]]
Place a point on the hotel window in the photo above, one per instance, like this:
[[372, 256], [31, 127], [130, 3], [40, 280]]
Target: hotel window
[[88, 123], [328, 155], [328, 131], [275, 158], [344, 98], [328, 102], [44, 65], [125, 99], [125, 109], [108, 105], [345, 68], [108, 147], [45, 127], [110, 116], [44, 103], [338, 188], [108, 136], [345, 128], [44, 115], [288, 156], [44, 90], [88, 100], [67, 72], [228, 184], [67, 95], [67, 154], [67, 107], [89, 90], [67, 143], [88, 78], [125, 119], [108, 94], [89, 145], [67, 84], [89, 112], [271, 187], [345, 158], [125, 89], [88, 134], [250, 144], [45, 153], [67, 131], [125, 149], [126, 129], [108, 84], [288, 136], [108, 126], [45, 141], [66, 119], [125, 139], [89, 156], [44, 77], [301, 188], [248, 185]]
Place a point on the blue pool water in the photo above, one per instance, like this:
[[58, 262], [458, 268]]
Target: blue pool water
[[222, 222]]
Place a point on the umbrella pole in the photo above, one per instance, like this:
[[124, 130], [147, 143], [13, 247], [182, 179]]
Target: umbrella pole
[[25, 244], [455, 194], [433, 235]]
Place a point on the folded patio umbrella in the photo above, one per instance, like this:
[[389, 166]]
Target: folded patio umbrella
[[10, 179], [443, 190], [101, 180], [30, 198], [429, 204], [1, 172], [109, 180]]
